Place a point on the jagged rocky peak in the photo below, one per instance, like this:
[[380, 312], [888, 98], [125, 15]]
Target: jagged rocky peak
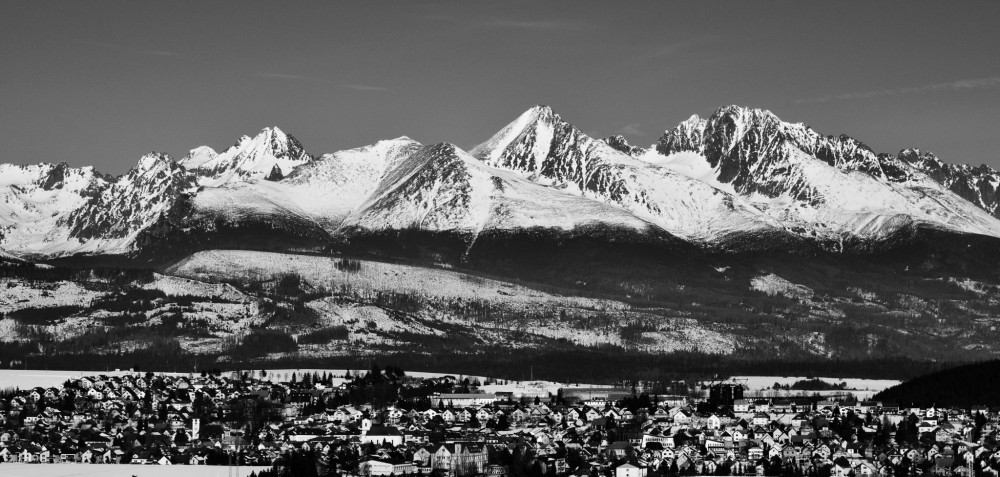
[[155, 174], [687, 136], [979, 185], [915, 157], [528, 135], [270, 143], [279, 144], [250, 158], [55, 176], [928, 162], [443, 148], [727, 129], [620, 144], [541, 144], [153, 162], [134, 202], [46, 176], [275, 174], [540, 112], [735, 138], [157, 168]]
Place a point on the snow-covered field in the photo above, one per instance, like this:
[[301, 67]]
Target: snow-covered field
[[772, 284], [219, 265], [860, 388], [223, 310], [762, 382], [16, 294], [668, 334], [31, 378], [124, 470], [175, 286], [25, 379], [512, 386]]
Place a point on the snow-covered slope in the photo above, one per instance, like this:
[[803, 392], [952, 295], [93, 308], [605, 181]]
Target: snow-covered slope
[[324, 191], [271, 155], [400, 184], [55, 210], [198, 156], [544, 149], [36, 200], [132, 204], [978, 185], [334, 186], [834, 189], [442, 188]]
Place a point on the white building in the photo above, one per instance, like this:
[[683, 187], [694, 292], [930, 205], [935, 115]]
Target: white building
[[376, 467], [463, 400], [629, 470]]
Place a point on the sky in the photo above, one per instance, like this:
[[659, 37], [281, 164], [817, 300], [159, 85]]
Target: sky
[[101, 83]]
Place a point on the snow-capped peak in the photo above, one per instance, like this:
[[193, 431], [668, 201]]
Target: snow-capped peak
[[270, 154], [687, 136], [198, 156], [537, 122], [539, 112], [275, 140], [152, 162], [737, 140]]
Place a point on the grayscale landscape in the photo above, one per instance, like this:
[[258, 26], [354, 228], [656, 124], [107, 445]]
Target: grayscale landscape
[[499, 239]]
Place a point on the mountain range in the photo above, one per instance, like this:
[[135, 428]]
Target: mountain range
[[737, 238], [739, 180]]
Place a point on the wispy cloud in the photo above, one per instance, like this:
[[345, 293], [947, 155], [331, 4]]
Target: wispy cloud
[[364, 87], [314, 79], [630, 129], [285, 76], [129, 49], [958, 85], [535, 25], [437, 16]]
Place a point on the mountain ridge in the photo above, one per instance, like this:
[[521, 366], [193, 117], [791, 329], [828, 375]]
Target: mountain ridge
[[717, 182]]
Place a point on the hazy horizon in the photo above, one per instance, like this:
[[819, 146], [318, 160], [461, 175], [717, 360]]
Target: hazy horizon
[[101, 83]]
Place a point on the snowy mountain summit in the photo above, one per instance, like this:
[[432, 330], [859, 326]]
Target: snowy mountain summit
[[739, 179], [271, 155]]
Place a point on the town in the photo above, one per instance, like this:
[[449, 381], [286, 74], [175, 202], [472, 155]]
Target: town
[[383, 422]]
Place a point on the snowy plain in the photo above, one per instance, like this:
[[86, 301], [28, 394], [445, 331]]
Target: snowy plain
[[36, 378], [860, 388]]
